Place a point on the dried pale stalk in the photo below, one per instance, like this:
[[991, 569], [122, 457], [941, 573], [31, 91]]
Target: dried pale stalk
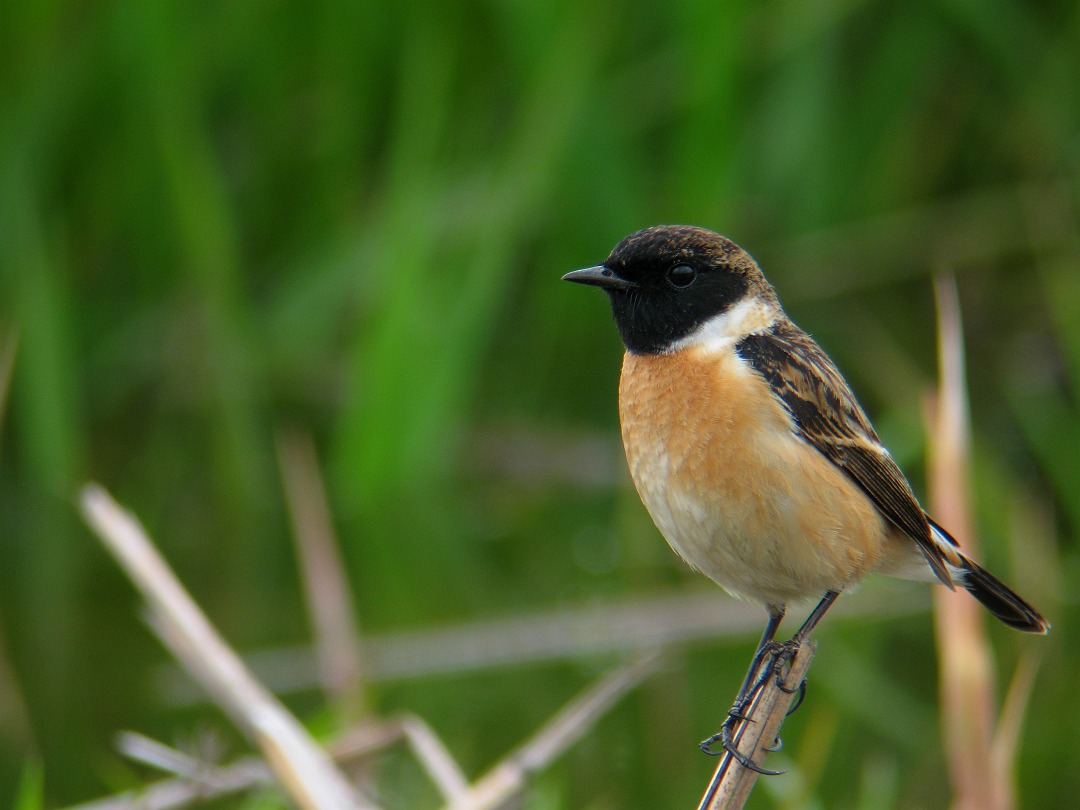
[[562, 634], [180, 792], [197, 782], [981, 780], [302, 768], [731, 783], [509, 776], [326, 588]]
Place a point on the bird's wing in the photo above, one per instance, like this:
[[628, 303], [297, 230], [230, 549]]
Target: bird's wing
[[829, 417]]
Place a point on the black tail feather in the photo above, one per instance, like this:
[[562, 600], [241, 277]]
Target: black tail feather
[[1000, 600]]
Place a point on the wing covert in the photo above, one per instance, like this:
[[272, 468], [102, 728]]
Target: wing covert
[[828, 416]]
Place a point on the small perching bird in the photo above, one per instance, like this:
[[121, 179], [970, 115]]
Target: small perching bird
[[748, 447]]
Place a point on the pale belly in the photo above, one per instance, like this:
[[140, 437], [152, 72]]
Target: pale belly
[[736, 493]]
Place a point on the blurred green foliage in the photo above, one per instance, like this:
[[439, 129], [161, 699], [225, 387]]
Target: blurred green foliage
[[220, 218]]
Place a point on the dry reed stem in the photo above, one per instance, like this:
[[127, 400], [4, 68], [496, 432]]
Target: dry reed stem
[[504, 781], [731, 782], [561, 634], [1011, 721], [303, 769], [966, 662], [196, 781], [434, 757], [183, 791], [338, 650]]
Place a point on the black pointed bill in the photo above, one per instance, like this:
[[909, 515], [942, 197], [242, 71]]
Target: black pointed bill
[[599, 276]]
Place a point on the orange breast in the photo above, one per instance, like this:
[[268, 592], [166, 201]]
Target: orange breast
[[733, 489]]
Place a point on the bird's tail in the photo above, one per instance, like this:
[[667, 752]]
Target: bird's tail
[[995, 595], [999, 599]]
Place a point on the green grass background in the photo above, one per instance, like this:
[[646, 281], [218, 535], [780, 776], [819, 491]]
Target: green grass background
[[220, 218]]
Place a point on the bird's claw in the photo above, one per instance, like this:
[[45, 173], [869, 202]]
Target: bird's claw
[[800, 696], [746, 762], [707, 744], [728, 745]]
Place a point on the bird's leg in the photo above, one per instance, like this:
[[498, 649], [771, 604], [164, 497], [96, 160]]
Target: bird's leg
[[749, 686], [813, 619], [786, 650], [778, 653]]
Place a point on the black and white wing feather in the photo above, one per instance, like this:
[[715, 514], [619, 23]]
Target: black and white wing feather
[[828, 416]]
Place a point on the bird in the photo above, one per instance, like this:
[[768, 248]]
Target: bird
[[749, 449]]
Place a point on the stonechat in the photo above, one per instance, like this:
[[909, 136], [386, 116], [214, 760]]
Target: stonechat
[[748, 447]]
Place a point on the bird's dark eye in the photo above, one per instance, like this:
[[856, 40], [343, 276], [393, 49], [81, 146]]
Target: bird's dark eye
[[681, 276]]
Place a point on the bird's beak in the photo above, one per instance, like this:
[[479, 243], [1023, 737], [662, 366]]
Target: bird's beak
[[599, 276]]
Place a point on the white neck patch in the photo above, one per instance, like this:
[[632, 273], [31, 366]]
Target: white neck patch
[[723, 331]]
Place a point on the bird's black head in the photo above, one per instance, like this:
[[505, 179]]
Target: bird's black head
[[665, 282]]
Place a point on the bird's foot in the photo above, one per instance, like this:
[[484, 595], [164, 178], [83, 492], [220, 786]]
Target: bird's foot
[[734, 716], [776, 655], [740, 713], [741, 758], [782, 652]]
